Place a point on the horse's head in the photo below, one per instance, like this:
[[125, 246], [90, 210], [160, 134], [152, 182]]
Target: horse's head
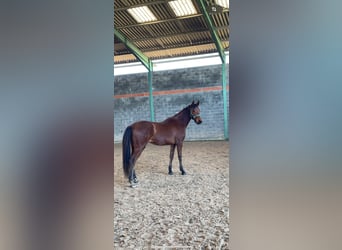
[[195, 112]]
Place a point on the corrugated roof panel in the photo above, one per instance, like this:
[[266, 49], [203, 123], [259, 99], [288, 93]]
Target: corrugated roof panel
[[143, 45], [201, 38], [171, 42], [118, 4], [223, 34], [178, 40], [220, 19], [134, 33], [165, 28], [121, 18], [162, 11], [194, 23], [189, 50], [169, 35]]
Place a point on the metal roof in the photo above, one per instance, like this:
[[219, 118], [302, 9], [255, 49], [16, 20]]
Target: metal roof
[[169, 35]]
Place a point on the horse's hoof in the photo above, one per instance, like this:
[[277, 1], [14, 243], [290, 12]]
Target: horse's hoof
[[183, 173], [134, 185], [170, 173]]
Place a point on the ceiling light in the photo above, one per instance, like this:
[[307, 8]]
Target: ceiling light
[[183, 7], [223, 3], [142, 14]]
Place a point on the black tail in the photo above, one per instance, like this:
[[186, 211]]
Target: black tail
[[126, 150]]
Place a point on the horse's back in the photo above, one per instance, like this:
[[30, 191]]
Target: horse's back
[[142, 130], [142, 125]]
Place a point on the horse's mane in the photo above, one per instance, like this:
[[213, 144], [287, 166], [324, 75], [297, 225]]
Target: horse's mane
[[182, 111], [180, 115], [184, 114]]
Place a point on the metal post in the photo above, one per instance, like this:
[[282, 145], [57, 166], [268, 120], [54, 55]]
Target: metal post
[[150, 70], [224, 93], [144, 60]]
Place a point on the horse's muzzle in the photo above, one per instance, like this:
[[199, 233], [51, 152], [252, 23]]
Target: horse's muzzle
[[198, 120]]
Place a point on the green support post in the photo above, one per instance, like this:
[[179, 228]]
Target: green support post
[[224, 93], [210, 23], [150, 70], [136, 52], [214, 35], [144, 60]]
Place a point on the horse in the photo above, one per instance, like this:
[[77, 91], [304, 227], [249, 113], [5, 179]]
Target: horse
[[171, 132]]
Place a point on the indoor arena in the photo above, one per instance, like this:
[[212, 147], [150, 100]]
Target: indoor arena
[[172, 64]]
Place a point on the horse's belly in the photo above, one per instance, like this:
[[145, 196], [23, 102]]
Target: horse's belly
[[164, 135], [162, 140]]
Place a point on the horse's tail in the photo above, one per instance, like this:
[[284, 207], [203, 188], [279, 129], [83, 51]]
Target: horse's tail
[[127, 150]]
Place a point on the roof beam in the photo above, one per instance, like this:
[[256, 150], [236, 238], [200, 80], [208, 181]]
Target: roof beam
[[134, 49], [156, 2], [174, 19], [139, 5], [178, 34], [172, 52], [212, 29], [159, 21]]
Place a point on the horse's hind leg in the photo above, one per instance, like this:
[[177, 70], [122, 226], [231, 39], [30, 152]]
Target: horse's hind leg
[[172, 151], [132, 178], [132, 175], [142, 133], [179, 151]]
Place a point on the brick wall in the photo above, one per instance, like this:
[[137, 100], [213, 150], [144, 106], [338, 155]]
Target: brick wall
[[186, 81]]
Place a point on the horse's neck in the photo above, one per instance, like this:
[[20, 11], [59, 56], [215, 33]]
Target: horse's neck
[[183, 116]]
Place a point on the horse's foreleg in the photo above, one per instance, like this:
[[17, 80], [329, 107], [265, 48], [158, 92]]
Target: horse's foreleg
[[172, 151], [179, 151], [133, 177]]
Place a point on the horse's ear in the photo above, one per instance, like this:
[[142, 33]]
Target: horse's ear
[[193, 102], [197, 103]]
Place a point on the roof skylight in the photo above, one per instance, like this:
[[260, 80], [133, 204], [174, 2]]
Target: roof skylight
[[183, 7], [223, 3], [142, 14]]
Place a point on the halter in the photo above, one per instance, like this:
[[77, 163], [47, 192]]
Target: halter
[[193, 116]]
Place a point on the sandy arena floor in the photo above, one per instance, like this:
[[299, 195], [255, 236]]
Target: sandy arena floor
[[174, 212]]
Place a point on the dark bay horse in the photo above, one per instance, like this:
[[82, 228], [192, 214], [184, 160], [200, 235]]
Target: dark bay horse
[[168, 132]]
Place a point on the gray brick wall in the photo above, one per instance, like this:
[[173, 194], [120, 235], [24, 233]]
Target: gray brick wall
[[129, 110], [126, 84], [187, 78]]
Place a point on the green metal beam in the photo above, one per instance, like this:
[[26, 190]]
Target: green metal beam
[[151, 91], [134, 49], [224, 95], [145, 61], [212, 29]]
